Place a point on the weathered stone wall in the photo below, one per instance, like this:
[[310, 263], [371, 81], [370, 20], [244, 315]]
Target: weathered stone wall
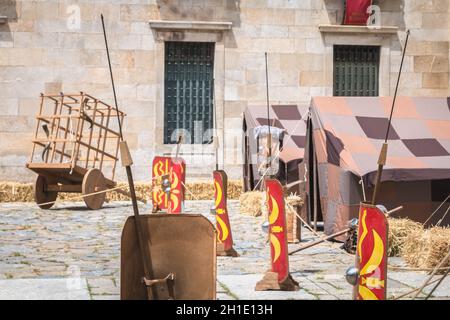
[[43, 50], [428, 61]]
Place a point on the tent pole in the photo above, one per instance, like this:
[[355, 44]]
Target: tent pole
[[286, 173]]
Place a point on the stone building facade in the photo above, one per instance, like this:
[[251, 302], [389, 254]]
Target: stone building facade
[[57, 45]]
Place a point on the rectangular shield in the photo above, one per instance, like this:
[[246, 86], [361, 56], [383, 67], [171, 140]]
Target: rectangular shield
[[371, 259], [184, 245]]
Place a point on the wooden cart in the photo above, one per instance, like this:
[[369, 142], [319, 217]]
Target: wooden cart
[[75, 148]]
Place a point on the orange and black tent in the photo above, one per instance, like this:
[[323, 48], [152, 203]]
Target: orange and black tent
[[343, 141]]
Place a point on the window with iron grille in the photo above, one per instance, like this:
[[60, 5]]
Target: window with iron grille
[[188, 92], [356, 70]]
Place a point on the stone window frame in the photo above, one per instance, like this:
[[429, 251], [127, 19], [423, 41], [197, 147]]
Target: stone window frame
[[364, 36], [189, 31]]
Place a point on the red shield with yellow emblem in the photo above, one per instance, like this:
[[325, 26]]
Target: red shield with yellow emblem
[[371, 253], [277, 229], [177, 178], [160, 167], [224, 235], [175, 170]]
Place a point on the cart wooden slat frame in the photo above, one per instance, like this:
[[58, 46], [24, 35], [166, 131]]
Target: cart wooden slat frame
[[73, 144]]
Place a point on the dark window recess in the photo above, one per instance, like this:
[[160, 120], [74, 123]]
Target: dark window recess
[[188, 94], [355, 71], [440, 189]]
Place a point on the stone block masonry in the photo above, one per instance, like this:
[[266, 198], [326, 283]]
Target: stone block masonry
[[57, 45]]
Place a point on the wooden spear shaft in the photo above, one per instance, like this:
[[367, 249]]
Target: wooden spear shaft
[[315, 243], [383, 152], [269, 140], [216, 135], [334, 235], [127, 162]]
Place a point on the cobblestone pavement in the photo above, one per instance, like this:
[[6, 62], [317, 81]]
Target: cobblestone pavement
[[71, 241]]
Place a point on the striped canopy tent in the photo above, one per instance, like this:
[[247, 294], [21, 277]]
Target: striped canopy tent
[[290, 118], [344, 138]]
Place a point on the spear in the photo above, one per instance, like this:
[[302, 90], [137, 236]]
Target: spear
[[216, 136], [384, 148], [269, 139], [127, 162]]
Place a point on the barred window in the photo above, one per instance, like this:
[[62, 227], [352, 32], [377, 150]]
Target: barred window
[[188, 92], [356, 70]]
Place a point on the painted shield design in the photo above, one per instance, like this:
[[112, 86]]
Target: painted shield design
[[277, 229], [372, 253], [220, 205], [176, 170], [176, 186]]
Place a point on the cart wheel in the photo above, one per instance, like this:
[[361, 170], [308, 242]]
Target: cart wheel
[[42, 196], [93, 181]]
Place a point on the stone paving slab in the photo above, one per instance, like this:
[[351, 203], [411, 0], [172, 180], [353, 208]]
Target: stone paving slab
[[242, 287], [415, 282], [223, 296], [106, 297], [71, 241], [44, 289]]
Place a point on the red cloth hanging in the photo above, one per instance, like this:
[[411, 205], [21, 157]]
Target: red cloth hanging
[[356, 11]]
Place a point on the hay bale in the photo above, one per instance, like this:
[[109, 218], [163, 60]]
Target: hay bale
[[440, 246], [399, 229], [251, 203], [15, 192], [205, 190], [426, 248], [235, 189], [23, 192], [201, 191], [143, 191]]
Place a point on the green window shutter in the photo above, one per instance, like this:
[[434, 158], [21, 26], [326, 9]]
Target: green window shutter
[[355, 71], [188, 90]]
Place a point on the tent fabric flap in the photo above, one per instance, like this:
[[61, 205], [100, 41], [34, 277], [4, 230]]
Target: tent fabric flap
[[349, 131], [344, 139]]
